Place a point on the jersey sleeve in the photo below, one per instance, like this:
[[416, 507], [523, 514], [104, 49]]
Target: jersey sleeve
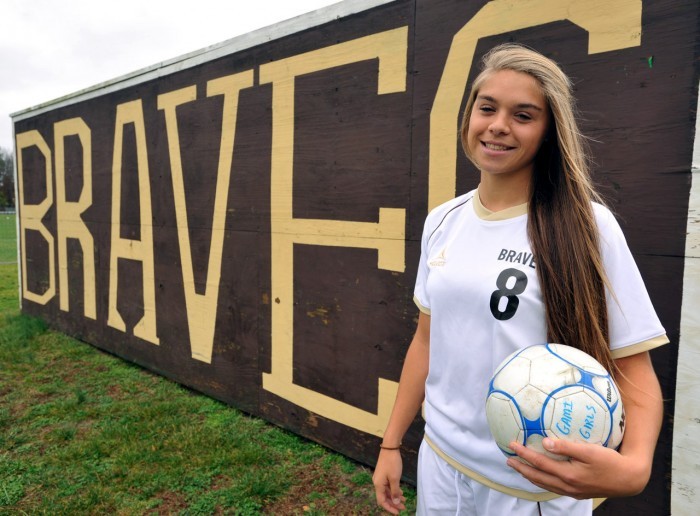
[[420, 293], [634, 326]]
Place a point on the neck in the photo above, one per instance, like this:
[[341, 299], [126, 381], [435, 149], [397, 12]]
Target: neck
[[499, 193]]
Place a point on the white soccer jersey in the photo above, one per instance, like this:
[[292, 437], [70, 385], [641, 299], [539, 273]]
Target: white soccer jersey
[[477, 279]]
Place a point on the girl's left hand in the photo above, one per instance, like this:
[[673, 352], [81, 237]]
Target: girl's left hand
[[593, 471]]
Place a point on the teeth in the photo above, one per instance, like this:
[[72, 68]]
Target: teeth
[[495, 147]]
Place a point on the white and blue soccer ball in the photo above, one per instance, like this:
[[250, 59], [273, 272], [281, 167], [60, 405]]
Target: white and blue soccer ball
[[553, 390]]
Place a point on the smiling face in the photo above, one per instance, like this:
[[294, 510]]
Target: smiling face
[[507, 125]]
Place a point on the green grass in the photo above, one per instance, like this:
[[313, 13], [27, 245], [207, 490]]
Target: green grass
[[8, 238], [83, 432]]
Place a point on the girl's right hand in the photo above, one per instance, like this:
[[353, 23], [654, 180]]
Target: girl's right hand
[[386, 478]]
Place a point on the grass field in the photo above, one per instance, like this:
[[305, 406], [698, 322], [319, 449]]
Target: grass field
[[83, 432], [8, 238]]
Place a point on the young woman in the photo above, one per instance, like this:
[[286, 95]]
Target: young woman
[[529, 257]]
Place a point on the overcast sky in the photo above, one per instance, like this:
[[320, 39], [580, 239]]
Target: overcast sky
[[50, 48]]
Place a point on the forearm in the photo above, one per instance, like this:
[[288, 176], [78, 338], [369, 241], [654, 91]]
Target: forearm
[[642, 399], [409, 398], [411, 391]]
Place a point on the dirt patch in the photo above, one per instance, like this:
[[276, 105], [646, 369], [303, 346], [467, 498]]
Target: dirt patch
[[172, 503], [320, 490]]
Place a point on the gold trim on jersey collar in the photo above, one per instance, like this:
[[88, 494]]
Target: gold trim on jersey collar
[[509, 213]]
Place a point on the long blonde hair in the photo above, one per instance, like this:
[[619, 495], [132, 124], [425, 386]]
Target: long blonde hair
[[561, 223]]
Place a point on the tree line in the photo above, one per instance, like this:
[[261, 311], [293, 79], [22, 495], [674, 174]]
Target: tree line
[[7, 180]]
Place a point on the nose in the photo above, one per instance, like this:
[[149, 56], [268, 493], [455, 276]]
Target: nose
[[499, 125]]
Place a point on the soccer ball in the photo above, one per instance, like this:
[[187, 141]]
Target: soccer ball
[[552, 390]]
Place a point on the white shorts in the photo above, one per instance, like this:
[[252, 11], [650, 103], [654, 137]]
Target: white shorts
[[443, 490]]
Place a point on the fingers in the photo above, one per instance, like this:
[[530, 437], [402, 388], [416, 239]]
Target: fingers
[[558, 449], [553, 475], [532, 458], [392, 502], [544, 480], [534, 472], [389, 494], [577, 451]]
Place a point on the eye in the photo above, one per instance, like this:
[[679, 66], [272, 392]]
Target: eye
[[485, 108], [523, 117]]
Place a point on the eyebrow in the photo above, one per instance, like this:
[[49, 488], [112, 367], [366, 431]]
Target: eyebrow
[[524, 105]]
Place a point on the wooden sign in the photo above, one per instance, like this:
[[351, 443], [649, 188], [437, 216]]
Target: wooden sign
[[246, 220]]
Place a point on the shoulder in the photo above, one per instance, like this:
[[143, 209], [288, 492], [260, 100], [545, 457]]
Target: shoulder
[[608, 226], [438, 214], [602, 213]]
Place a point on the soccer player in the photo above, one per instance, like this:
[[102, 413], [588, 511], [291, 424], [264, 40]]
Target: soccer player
[[530, 256]]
